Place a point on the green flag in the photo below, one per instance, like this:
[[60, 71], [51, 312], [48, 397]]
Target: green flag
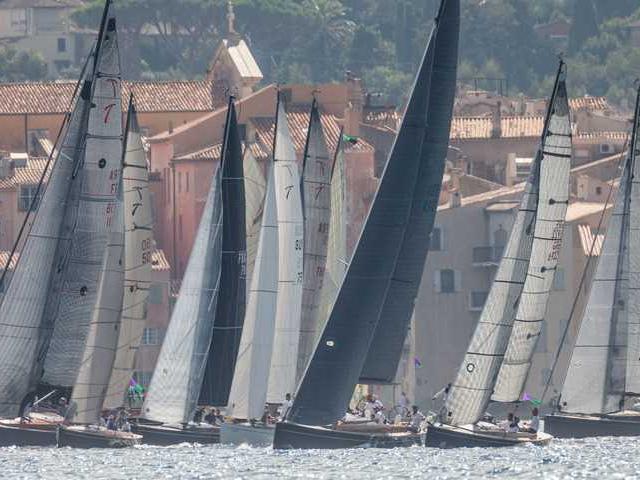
[[350, 139]]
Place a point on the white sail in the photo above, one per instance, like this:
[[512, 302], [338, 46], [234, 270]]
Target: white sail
[[73, 297], [138, 246], [102, 339], [23, 334], [594, 381], [553, 201], [254, 191], [250, 379], [316, 195], [177, 378], [282, 376]]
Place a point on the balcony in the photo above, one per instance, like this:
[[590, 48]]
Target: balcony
[[487, 256]]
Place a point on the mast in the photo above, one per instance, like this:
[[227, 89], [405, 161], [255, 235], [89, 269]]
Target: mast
[[604, 358], [473, 386], [138, 246], [89, 216], [339, 357], [553, 200], [250, 379], [282, 376], [230, 309], [316, 207]]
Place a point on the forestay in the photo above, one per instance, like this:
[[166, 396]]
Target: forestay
[[553, 201], [249, 388], [88, 217], [230, 310], [338, 360], [282, 375], [175, 385], [316, 205], [138, 248], [393, 324]]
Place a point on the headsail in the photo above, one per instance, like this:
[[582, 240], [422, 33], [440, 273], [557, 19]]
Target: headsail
[[88, 216], [250, 379], [393, 324], [282, 376], [254, 193], [553, 200], [316, 206], [337, 362], [138, 241], [229, 315], [473, 386], [604, 358]]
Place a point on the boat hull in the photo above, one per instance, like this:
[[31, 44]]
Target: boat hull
[[295, 436], [245, 433], [164, 435], [444, 436], [25, 436], [81, 437], [583, 426]]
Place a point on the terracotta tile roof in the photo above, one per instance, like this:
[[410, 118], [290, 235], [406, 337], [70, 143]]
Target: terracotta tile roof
[[298, 117], [588, 103], [591, 244], [55, 97], [159, 261], [602, 136], [5, 4], [4, 258], [29, 175], [210, 153], [512, 127]]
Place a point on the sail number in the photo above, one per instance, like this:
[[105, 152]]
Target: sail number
[[556, 237], [145, 245]]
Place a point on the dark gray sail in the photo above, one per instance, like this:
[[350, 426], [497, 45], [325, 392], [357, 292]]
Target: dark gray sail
[[337, 362], [229, 315], [393, 325]]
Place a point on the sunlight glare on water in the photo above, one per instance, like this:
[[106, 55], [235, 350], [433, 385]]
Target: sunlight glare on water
[[595, 458]]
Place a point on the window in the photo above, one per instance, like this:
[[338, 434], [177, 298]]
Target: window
[[62, 45], [606, 148], [27, 195], [179, 182], [598, 190], [435, 244], [186, 175], [156, 293], [143, 378], [447, 281], [151, 336], [477, 300]]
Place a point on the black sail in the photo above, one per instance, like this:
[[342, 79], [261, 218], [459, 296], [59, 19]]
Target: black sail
[[229, 314], [339, 357], [393, 325]]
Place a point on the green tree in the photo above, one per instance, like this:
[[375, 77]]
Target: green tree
[[19, 66]]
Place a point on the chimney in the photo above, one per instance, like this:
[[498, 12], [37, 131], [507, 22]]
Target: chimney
[[355, 101], [496, 121]]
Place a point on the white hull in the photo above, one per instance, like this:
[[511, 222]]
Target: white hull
[[245, 433]]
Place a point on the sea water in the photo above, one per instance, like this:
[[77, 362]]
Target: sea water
[[597, 458]]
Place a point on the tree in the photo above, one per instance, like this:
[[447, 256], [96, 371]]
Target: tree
[[18, 66]]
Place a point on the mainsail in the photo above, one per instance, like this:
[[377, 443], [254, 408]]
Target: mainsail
[[339, 357], [472, 389], [603, 364], [88, 217], [250, 379], [316, 207], [393, 323], [229, 314], [282, 376], [138, 246], [553, 200], [175, 385], [23, 333]]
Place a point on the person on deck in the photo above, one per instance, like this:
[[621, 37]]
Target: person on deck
[[286, 406], [62, 407], [504, 424], [514, 427], [534, 423], [417, 419]]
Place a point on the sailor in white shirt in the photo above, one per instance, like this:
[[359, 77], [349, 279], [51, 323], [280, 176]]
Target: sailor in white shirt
[[417, 419], [286, 406]]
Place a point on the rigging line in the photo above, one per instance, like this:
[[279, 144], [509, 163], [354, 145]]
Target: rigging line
[[587, 267]]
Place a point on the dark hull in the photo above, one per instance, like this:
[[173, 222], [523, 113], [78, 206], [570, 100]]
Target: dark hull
[[447, 437], [69, 437], [577, 426], [27, 437], [164, 435], [294, 436]]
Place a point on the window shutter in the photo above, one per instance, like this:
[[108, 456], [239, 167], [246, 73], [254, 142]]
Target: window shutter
[[457, 280]]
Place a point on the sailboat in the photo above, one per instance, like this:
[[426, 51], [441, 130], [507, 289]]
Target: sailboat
[[604, 371], [499, 356], [54, 293], [408, 192], [178, 379]]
